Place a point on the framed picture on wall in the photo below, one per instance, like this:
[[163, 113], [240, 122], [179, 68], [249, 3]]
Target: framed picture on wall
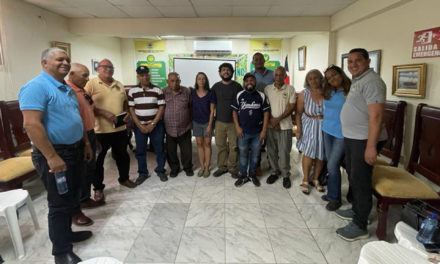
[[95, 64], [409, 80], [62, 45], [302, 58], [375, 61]]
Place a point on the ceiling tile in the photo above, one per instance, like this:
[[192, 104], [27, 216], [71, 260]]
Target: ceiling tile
[[212, 2], [102, 11], [170, 2], [250, 10], [82, 3], [214, 11], [251, 2], [140, 11], [177, 11], [130, 2], [283, 11], [48, 3], [70, 12]]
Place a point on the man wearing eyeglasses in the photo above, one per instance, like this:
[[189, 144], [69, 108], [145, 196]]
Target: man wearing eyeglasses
[[78, 77], [110, 100]]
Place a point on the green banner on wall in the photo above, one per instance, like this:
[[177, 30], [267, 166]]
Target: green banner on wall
[[157, 70]]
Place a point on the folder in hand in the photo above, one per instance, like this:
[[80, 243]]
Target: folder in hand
[[120, 120]]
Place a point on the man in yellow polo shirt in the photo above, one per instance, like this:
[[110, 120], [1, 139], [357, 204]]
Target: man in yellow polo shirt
[[110, 101]]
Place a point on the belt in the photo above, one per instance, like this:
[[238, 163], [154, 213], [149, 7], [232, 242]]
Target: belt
[[314, 116], [67, 146]]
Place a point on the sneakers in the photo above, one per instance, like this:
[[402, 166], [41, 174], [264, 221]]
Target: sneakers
[[333, 205], [286, 182], [142, 177], [219, 172], [234, 174], [352, 232], [162, 176], [255, 181], [241, 181], [346, 214], [272, 178]]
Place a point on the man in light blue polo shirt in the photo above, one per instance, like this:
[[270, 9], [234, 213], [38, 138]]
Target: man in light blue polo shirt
[[53, 123]]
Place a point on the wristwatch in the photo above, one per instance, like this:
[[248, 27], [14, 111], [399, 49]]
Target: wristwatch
[[153, 124]]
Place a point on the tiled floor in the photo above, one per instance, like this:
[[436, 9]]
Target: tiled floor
[[199, 220]]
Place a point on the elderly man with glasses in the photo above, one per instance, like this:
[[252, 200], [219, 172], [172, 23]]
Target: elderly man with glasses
[[110, 102]]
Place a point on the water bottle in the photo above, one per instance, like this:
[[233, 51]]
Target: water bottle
[[428, 229], [61, 181]]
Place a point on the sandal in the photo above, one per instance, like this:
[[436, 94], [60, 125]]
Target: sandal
[[318, 186], [304, 186], [201, 172]]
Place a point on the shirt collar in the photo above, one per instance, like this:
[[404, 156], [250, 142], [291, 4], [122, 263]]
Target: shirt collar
[[357, 78], [254, 72], [54, 82], [113, 84], [282, 87]]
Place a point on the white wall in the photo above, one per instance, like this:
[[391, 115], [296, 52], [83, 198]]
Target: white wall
[[392, 31], [28, 30], [316, 55]]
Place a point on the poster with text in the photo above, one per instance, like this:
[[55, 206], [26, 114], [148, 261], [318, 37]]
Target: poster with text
[[152, 53], [426, 43], [271, 50]]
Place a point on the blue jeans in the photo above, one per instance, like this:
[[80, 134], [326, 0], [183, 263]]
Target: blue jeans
[[334, 153], [249, 147], [156, 138]]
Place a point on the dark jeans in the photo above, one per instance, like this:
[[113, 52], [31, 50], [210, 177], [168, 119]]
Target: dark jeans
[[118, 142], [334, 153], [156, 139], [61, 207], [184, 142], [88, 173], [360, 179], [249, 147]]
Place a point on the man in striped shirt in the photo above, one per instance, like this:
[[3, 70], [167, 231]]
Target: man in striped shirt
[[147, 106]]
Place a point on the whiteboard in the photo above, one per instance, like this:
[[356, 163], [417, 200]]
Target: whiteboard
[[188, 68]]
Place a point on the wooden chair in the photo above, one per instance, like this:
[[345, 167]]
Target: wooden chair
[[17, 140], [397, 186], [394, 118], [13, 170]]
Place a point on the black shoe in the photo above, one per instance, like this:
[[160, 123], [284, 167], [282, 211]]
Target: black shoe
[[219, 172], [173, 174], [234, 174], [141, 178], [325, 198], [286, 182], [241, 181], [272, 178], [162, 176], [255, 181], [67, 258], [333, 205], [189, 172], [79, 236]]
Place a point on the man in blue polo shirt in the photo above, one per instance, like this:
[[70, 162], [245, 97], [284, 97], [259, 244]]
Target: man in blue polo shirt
[[53, 123], [250, 115]]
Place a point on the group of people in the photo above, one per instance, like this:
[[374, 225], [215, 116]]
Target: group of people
[[70, 122]]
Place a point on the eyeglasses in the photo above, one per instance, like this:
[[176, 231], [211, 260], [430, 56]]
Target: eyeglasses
[[88, 98], [106, 67]]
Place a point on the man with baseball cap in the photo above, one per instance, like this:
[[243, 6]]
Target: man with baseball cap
[[147, 105]]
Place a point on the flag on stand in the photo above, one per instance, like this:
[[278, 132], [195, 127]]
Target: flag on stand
[[286, 66]]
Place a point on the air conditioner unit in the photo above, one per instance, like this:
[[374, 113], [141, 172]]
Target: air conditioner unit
[[213, 47]]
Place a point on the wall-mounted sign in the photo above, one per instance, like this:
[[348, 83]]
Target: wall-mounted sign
[[426, 43]]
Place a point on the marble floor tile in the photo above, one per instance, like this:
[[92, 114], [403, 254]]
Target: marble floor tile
[[113, 242], [316, 216], [241, 195], [300, 198], [176, 194], [168, 215], [206, 215], [295, 246], [210, 181], [155, 244], [208, 194], [282, 215], [335, 249], [248, 245], [202, 245], [130, 215], [243, 215], [273, 194]]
